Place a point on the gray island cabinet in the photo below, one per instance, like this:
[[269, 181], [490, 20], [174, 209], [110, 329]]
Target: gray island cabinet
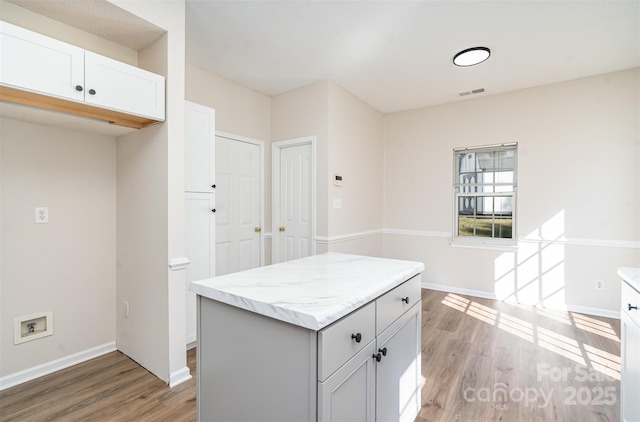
[[332, 337]]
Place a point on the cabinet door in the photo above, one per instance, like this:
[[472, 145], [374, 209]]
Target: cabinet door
[[118, 86], [199, 246], [630, 377], [199, 148], [348, 394], [398, 372], [34, 62]]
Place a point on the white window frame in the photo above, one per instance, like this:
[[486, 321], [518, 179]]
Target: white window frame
[[481, 241]]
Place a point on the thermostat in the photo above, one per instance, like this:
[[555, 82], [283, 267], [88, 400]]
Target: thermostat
[[337, 181]]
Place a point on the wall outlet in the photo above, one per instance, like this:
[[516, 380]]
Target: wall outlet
[[599, 284], [126, 309], [42, 215]]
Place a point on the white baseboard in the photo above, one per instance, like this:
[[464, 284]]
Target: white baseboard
[[594, 311], [487, 295], [29, 374], [179, 376], [467, 292]]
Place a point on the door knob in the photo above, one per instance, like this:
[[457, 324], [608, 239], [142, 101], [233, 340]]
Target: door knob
[[257, 229], [406, 300], [92, 91], [213, 210], [281, 228], [357, 337], [213, 186], [79, 88], [383, 351]]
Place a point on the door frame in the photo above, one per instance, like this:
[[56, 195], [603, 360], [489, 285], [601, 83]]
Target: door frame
[[276, 148], [260, 144]]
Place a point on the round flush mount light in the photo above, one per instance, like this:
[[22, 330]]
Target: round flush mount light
[[471, 56]]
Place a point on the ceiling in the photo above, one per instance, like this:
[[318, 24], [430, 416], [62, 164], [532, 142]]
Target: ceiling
[[397, 55]]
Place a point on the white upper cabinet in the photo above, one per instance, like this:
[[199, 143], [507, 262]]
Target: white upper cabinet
[[199, 148], [37, 63], [119, 86], [43, 72]]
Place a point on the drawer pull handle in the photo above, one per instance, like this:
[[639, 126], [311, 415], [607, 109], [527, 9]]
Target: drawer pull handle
[[377, 357], [357, 337], [406, 300], [383, 351], [633, 307]]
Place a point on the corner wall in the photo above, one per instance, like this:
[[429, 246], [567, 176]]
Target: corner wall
[[578, 184], [65, 266]]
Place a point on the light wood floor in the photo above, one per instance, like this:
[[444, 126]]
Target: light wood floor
[[482, 360]]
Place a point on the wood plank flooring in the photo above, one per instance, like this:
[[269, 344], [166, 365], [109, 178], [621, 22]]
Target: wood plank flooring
[[482, 360]]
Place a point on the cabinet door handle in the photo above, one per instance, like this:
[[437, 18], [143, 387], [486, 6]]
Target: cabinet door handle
[[79, 88], [92, 91], [213, 210], [213, 186], [357, 337], [633, 307], [281, 229], [377, 357], [406, 300], [383, 351]]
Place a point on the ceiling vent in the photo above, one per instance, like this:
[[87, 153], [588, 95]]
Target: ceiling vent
[[472, 92]]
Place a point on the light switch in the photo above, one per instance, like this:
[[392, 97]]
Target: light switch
[[337, 203], [42, 215]]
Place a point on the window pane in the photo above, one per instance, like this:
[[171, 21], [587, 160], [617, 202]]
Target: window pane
[[502, 228], [485, 173]]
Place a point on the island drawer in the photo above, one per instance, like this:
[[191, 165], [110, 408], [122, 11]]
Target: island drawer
[[396, 302], [631, 302], [343, 339]]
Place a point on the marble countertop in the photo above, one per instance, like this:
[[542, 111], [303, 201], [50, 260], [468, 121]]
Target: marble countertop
[[312, 292], [631, 276]]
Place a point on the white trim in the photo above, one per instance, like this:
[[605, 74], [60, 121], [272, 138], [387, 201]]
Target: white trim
[[192, 338], [325, 240], [29, 374], [179, 376], [179, 263], [460, 291], [275, 191], [576, 241], [260, 144], [487, 295], [593, 311], [422, 233]]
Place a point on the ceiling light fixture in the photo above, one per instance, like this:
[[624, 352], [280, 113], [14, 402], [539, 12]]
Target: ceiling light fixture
[[471, 56]]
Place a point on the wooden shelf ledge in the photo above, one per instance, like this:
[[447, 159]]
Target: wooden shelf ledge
[[66, 106]]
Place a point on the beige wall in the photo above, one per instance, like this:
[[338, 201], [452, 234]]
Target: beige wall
[[66, 266], [578, 207], [356, 152], [349, 142]]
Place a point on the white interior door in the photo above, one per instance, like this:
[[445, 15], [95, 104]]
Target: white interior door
[[238, 212], [295, 208]]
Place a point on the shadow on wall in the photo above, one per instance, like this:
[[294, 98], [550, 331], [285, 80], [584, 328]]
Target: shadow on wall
[[535, 273]]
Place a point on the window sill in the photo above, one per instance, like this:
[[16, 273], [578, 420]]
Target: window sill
[[488, 246]]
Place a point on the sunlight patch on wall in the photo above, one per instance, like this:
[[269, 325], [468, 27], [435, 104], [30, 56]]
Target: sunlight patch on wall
[[534, 274]]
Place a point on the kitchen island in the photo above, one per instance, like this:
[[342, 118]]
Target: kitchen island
[[328, 337]]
